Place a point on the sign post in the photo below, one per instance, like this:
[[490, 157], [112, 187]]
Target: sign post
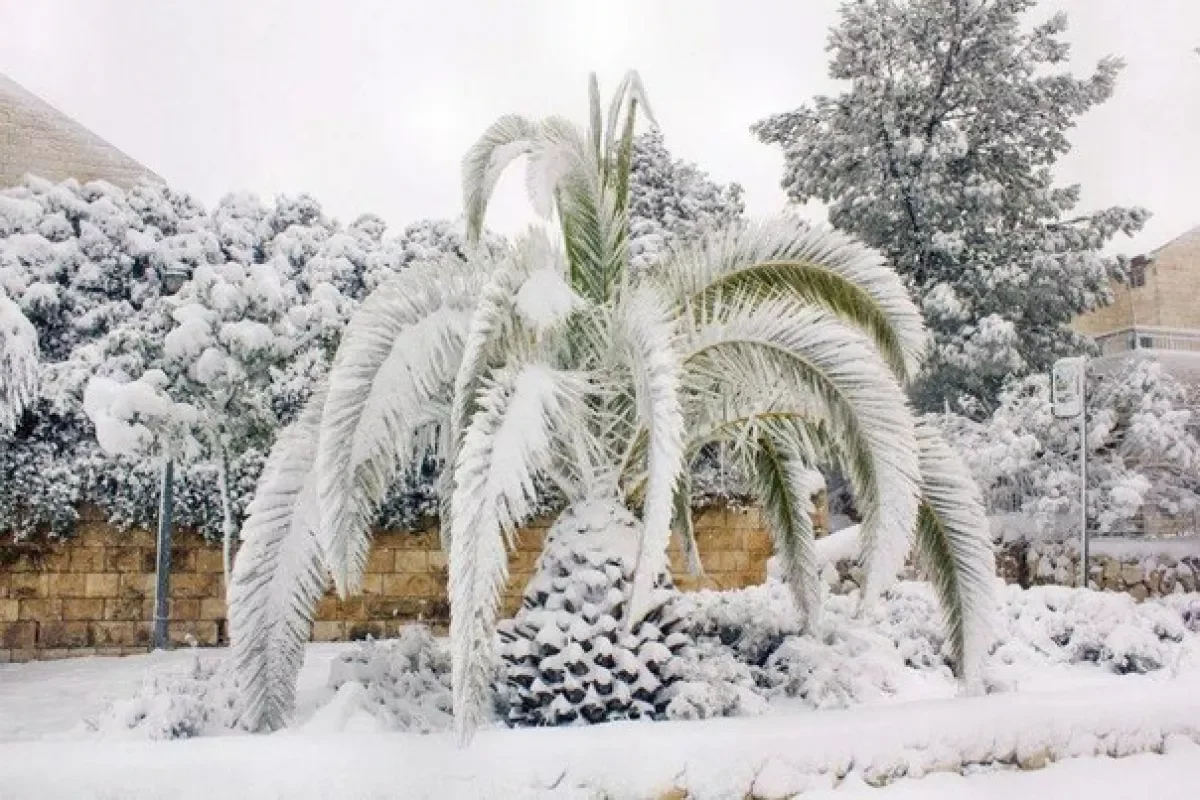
[[1068, 395]]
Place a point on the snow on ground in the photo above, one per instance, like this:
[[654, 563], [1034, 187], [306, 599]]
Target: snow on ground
[[871, 703]]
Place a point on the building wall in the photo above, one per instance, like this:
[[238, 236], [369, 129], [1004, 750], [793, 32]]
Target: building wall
[[37, 139], [1168, 299], [94, 593]]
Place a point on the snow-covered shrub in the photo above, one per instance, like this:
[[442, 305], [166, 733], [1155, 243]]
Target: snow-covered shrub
[[1143, 449], [751, 622], [195, 699], [711, 681], [406, 679]]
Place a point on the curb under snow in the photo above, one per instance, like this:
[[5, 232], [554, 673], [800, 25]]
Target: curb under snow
[[777, 755]]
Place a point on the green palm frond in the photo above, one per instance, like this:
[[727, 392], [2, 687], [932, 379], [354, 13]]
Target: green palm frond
[[955, 550], [820, 266]]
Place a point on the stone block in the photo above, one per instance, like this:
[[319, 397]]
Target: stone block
[[102, 584], [125, 609], [209, 559], [383, 608], [41, 609], [358, 631], [437, 559], [372, 584], [82, 608], [66, 584], [193, 585], [120, 634], [64, 634], [758, 543], [325, 630], [87, 559], [5, 655], [5, 584], [709, 519], [213, 608], [9, 610], [744, 519], [18, 635], [183, 559], [136, 586], [183, 609], [381, 559], [22, 656], [123, 559], [200, 632], [411, 561], [26, 585]]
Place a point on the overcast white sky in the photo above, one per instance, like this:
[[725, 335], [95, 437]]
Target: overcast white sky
[[370, 105]]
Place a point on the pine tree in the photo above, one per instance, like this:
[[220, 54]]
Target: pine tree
[[940, 153]]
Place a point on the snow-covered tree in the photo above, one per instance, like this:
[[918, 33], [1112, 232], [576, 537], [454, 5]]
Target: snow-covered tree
[[940, 152], [1143, 449], [18, 363], [672, 201], [558, 362]]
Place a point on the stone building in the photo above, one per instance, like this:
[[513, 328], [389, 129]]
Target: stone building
[[38, 139], [1158, 313]]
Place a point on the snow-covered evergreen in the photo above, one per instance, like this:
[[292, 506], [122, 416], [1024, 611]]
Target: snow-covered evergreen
[[939, 151]]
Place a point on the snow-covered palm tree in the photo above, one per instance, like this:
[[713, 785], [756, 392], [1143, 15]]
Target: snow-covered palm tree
[[18, 363], [552, 364]]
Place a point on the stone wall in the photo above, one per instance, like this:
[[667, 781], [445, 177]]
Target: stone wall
[[93, 594]]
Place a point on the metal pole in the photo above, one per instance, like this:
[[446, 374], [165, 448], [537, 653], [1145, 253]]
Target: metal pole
[[162, 574], [1083, 454]]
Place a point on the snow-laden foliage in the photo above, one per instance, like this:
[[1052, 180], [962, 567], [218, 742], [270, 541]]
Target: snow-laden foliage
[[239, 308], [672, 201], [1143, 449], [769, 338], [939, 151]]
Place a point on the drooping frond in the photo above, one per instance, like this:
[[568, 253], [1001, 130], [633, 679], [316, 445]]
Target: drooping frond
[[834, 366], [786, 482], [391, 377], [278, 578], [505, 140], [821, 266], [18, 363], [559, 154], [507, 443], [955, 550], [628, 97], [646, 335]]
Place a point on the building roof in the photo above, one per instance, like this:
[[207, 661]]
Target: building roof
[[38, 139]]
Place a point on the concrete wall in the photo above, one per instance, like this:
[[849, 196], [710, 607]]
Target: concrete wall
[[93, 594]]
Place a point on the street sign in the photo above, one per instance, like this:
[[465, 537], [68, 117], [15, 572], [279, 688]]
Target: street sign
[[1066, 387]]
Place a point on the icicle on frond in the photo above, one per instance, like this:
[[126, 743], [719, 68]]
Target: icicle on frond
[[785, 484], [508, 442], [955, 550], [505, 140], [645, 334], [278, 578], [18, 363], [392, 375], [821, 266], [863, 405]]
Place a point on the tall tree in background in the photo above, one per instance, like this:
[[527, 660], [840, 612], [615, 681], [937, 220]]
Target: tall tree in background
[[940, 153]]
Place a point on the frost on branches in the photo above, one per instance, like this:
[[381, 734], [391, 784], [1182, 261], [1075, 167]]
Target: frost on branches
[[1143, 450], [234, 313], [940, 152]]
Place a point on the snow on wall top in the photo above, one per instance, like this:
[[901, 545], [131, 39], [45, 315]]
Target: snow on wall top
[[38, 139]]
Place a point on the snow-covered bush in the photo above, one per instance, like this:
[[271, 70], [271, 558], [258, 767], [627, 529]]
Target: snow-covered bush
[[195, 699], [406, 680], [1143, 449]]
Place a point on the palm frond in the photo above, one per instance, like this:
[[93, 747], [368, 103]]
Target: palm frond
[[391, 378], [595, 118], [820, 266], [646, 335], [278, 578], [955, 550], [508, 442], [684, 525], [505, 140], [629, 95], [786, 483], [559, 153], [859, 398], [18, 363]]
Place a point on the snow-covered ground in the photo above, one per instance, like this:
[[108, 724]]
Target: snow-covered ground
[[870, 709]]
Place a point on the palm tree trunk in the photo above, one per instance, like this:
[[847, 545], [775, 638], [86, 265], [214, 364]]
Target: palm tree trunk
[[227, 527]]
